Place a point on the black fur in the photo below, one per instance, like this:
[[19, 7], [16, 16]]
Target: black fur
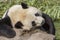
[[24, 6], [48, 26], [33, 23], [18, 25], [37, 14], [7, 21], [6, 30]]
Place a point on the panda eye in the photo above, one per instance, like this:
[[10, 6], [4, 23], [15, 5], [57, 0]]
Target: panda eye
[[37, 14]]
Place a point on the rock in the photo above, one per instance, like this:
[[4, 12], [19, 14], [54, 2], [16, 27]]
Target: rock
[[33, 35], [41, 36]]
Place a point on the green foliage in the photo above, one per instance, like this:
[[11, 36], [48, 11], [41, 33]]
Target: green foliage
[[50, 7], [57, 26]]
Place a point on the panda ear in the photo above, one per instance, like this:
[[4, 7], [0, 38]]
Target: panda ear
[[24, 5]]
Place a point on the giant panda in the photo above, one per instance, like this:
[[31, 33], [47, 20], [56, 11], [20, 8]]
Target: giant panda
[[27, 18], [23, 16]]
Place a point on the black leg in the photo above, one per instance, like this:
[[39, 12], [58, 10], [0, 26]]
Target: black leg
[[48, 26]]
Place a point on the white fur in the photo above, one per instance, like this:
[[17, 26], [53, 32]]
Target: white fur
[[26, 16], [4, 14]]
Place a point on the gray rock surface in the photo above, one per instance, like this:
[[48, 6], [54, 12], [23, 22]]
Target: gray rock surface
[[33, 35]]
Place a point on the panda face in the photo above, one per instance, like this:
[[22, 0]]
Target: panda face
[[25, 17], [33, 18]]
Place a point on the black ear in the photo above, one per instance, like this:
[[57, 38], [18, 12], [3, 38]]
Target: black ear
[[24, 5]]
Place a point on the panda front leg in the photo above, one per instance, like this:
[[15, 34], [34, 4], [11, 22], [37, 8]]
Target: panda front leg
[[5, 28], [6, 31], [48, 26]]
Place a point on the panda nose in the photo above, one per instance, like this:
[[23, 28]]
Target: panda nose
[[33, 23]]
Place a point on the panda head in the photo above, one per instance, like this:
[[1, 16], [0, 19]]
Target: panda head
[[25, 17]]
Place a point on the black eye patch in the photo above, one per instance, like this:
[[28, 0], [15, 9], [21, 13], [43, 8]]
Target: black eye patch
[[18, 25], [37, 14], [33, 23]]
